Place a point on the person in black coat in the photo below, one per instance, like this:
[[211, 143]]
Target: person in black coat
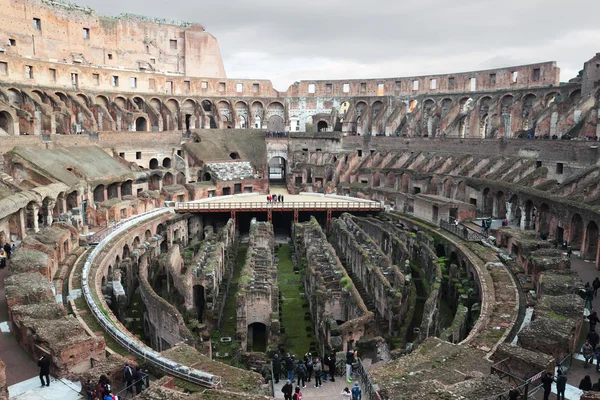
[[287, 390], [547, 380], [586, 383], [8, 250], [44, 364], [276, 367]]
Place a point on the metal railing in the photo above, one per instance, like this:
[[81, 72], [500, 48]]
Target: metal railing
[[366, 383], [526, 387], [462, 231], [292, 205], [125, 338], [145, 380]]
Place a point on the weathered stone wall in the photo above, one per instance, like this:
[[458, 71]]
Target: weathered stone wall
[[258, 293], [338, 312]]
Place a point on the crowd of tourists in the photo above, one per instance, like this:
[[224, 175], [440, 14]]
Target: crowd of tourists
[[277, 134], [313, 369], [275, 198]]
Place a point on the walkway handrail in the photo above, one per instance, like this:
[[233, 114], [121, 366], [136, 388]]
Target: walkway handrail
[[365, 381], [291, 205], [462, 231], [124, 337]]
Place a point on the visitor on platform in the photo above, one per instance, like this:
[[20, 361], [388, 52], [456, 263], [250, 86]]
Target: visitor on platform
[[287, 390]]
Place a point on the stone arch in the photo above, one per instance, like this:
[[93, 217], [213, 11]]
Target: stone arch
[[461, 191], [156, 103], [322, 126], [6, 124], [590, 245], [207, 105], [225, 113], [513, 212], [500, 205], [102, 101], [84, 99], [432, 187], [258, 110], [390, 180], [113, 191], [99, 194], [154, 182], [180, 178], [529, 214], [166, 162], [141, 124], [188, 110], [544, 218], [139, 102], [575, 95], [445, 106], [121, 102], [127, 188], [448, 185], [242, 111], [576, 232], [404, 183], [551, 98], [153, 164], [506, 103], [173, 105], [488, 199], [63, 97], [168, 179], [147, 235], [465, 104], [204, 176]]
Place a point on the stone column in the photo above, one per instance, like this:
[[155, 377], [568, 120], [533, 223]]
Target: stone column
[[523, 224], [509, 213], [35, 209], [49, 210], [21, 221]]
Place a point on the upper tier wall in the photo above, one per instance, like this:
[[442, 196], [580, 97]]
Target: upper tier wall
[[56, 31]]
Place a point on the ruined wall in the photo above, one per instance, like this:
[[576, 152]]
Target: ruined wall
[[75, 36], [258, 293], [339, 314]]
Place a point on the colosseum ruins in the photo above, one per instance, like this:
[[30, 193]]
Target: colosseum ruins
[[155, 211]]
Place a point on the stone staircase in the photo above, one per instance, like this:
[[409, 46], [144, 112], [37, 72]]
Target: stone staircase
[[361, 289]]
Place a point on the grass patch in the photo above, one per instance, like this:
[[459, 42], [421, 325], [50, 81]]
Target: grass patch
[[229, 319], [295, 337]]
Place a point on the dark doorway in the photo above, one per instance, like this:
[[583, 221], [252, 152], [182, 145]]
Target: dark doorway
[[199, 302], [257, 337], [140, 124]]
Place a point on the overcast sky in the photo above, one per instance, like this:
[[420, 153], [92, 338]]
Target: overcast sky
[[287, 41]]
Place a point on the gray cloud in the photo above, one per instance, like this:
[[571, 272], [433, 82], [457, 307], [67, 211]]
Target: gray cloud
[[333, 39]]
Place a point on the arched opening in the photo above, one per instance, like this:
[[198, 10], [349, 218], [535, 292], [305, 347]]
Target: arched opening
[[47, 211], [72, 200], [500, 205], [127, 188], [322, 126], [205, 177], [234, 156], [487, 202], [275, 124], [141, 124], [166, 162], [153, 163], [448, 184], [277, 169], [180, 178], [168, 179], [113, 191], [199, 302], [576, 232], [257, 337], [188, 119], [529, 215], [99, 194], [544, 216], [6, 124], [591, 241], [154, 183], [147, 235], [126, 251]]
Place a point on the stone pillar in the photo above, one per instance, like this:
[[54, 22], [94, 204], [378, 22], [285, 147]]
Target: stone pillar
[[35, 209], [49, 210], [21, 221], [495, 207], [105, 193], [119, 191], [523, 224], [100, 120], [53, 124], [37, 122], [118, 122], [509, 213]]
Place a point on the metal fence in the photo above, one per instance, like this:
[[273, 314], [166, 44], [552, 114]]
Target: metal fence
[[526, 387], [266, 206], [462, 231], [364, 379]]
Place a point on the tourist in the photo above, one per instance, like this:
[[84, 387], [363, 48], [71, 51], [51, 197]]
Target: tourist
[[513, 393], [289, 367], [89, 390], [569, 251], [356, 392], [325, 364], [276, 367], [138, 380], [297, 394], [44, 364], [2, 258], [308, 362], [547, 381], [287, 390], [561, 385], [595, 285], [593, 338], [103, 386], [332, 366], [596, 386], [598, 359], [588, 353], [349, 361], [268, 199], [301, 374], [318, 367], [346, 395], [128, 378], [593, 317], [586, 383], [589, 296], [8, 250]]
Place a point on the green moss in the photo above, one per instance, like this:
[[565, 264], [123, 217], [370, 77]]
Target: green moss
[[295, 326]]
